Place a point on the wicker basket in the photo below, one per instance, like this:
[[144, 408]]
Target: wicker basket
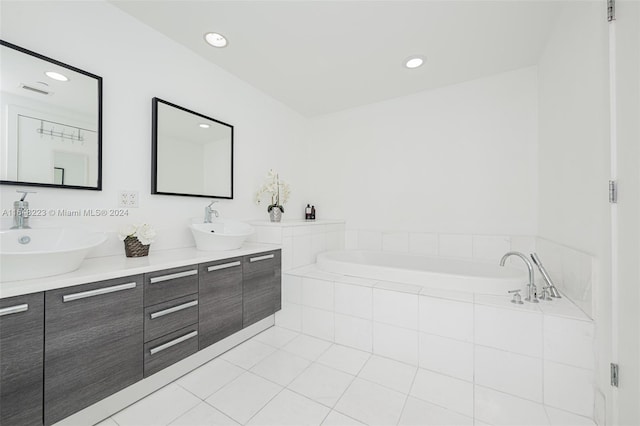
[[134, 248]]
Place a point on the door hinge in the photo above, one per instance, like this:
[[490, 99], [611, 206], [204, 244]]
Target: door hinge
[[613, 191], [615, 375], [611, 10]]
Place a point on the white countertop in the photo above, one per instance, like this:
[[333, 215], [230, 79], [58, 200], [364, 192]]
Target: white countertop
[[108, 267], [297, 222]]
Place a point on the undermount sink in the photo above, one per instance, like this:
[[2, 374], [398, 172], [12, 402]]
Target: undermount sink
[[220, 234], [42, 252]]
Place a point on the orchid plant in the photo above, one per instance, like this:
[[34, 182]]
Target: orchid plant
[[277, 189], [144, 233]]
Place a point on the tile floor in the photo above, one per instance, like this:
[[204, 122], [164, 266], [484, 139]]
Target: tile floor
[[281, 377]]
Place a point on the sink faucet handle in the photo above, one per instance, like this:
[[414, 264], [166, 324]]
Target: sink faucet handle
[[212, 203], [546, 293], [25, 193], [517, 299]]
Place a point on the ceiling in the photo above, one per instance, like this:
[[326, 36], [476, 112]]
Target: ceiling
[[319, 57]]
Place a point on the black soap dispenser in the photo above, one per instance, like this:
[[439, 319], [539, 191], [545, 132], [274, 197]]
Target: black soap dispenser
[[313, 212]]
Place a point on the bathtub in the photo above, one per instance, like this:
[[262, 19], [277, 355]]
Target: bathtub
[[433, 272]]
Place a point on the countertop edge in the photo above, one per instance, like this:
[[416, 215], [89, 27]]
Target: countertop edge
[[117, 266]]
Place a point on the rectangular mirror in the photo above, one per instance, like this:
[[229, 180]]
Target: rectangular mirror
[[51, 125], [192, 154]]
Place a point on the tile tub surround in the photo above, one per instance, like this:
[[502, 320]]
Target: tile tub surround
[[484, 346], [301, 240]]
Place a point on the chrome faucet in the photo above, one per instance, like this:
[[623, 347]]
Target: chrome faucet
[[531, 287], [21, 211], [208, 212], [552, 288]]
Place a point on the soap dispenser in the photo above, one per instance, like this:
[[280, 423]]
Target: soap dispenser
[[307, 212], [313, 212]]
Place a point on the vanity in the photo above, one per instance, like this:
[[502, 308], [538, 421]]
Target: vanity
[[117, 329]]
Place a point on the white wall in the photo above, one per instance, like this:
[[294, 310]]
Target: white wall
[[461, 159], [573, 210], [137, 63]]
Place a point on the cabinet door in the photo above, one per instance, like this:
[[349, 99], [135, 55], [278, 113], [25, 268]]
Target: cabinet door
[[261, 279], [21, 349], [93, 344], [220, 299]]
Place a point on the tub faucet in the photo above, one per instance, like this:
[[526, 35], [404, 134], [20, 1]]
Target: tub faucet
[[531, 287], [21, 211], [208, 212], [543, 271]]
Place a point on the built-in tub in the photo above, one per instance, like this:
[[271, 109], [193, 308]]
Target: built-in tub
[[433, 272]]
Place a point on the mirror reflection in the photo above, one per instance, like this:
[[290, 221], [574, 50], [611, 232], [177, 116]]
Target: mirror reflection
[[51, 122], [192, 153]]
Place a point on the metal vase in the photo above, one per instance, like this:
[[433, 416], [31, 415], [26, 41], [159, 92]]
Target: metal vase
[[275, 214]]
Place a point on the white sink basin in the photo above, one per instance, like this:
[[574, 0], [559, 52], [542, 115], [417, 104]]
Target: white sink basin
[[220, 235], [42, 252]]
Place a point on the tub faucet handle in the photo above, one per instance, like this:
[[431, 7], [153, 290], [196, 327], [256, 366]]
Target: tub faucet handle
[[546, 295], [517, 299]]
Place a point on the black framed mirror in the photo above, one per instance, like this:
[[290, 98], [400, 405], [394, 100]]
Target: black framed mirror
[[191, 154], [51, 121]]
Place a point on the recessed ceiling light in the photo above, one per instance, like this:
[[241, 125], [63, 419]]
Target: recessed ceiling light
[[215, 39], [414, 62], [204, 125], [56, 76]]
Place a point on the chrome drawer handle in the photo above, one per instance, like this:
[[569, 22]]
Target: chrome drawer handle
[[265, 257], [174, 276], [223, 266], [174, 309], [13, 309], [97, 292], [174, 342]]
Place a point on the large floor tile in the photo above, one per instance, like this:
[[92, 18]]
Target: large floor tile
[[448, 392], [337, 419], [203, 415], [107, 422], [564, 418], [371, 404], [389, 373], [344, 359], [501, 409], [307, 347], [160, 408], [208, 379], [248, 353], [417, 412], [322, 384], [281, 367], [289, 408], [244, 397], [276, 336]]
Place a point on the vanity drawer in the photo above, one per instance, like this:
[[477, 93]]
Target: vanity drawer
[[167, 317], [170, 284], [166, 350]]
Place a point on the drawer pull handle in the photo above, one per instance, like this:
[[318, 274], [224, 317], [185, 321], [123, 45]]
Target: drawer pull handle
[[259, 258], [173, 309], [174, 276], [223, 266], [173, 342], [97, 292], [13, 309]]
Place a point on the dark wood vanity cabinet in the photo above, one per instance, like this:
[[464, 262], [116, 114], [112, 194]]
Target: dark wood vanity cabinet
[[21, 359], [261, 286], [93, 343], [220, 300], [83, 343]]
